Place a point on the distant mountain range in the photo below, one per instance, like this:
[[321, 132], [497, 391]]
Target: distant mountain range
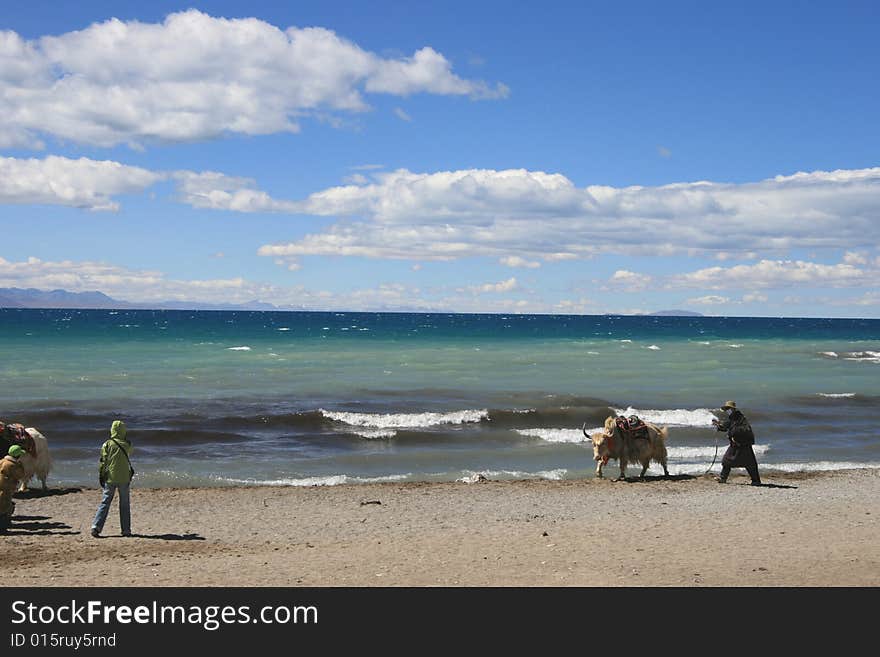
[[13, 297]]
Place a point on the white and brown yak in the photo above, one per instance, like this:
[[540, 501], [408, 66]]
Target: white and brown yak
[[629, 442], [36, 459]]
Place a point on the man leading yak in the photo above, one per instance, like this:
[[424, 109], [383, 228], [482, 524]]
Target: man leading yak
[[740, 453]]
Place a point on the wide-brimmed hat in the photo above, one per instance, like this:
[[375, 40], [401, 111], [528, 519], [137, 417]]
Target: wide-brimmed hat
[[16, 451], [728, 404]]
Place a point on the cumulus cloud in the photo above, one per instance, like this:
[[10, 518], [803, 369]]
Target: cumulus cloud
[[629, 281], [217, 191], [776, 274], [93, 184], [516, 261], [521, 218], [195, 76], [539, 216], [503, 286], [709, 300], [855, 258], [403, 116], [81, 183]]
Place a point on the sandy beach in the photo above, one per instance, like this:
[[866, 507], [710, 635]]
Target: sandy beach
[[805, 529]]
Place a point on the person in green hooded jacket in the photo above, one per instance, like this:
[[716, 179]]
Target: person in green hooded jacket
[[115, 473]]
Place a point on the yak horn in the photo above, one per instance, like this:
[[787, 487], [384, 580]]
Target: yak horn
[[584, 429]]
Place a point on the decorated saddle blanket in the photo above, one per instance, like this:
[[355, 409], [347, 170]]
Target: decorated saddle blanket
[[16, 434], [633, 426]]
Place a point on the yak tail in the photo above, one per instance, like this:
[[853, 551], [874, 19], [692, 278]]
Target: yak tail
[[664, 433]]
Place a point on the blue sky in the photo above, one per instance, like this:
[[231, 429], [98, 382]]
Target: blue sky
[[564, 157]]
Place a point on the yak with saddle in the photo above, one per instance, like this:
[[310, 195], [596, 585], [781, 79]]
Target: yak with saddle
[[36, 460], [629, 439]]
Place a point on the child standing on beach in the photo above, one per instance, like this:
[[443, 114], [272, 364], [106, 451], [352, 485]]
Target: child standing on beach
[[115, 473]]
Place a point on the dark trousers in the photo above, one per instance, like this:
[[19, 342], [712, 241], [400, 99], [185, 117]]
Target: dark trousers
[[740, 456]]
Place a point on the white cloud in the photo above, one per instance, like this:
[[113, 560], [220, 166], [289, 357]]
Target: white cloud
[[736, 255], [195, 76], [504, 286], [403, 116], [92, 184], [662, 151], [629, 281], [539, 216], [709, 300], [776, 274], [855, 258], [516, 261], [81, 183], [217, 191], [754, 297]]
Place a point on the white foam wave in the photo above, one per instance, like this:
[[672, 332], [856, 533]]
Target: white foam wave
[[283, 328], [554, 475], [864, 356], [653, 347], [244, 348], [375, 434], [734, 346], [554, 435], [405, 420], [472, 479], [559, 435], [329, 480], [700, 417], [830, 354], [835, 395]]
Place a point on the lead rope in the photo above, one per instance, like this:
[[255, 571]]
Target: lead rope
[[714, 457]]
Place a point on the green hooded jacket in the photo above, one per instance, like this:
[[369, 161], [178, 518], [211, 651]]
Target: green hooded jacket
[[114, 465]]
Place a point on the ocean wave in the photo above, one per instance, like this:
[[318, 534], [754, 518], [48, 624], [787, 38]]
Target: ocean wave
[[836, 395], [405, 420], [243, 348], [864, 356], [653, 347], [375, 434], [328, 480], [559, 435], [555, 475], [700, 417]]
